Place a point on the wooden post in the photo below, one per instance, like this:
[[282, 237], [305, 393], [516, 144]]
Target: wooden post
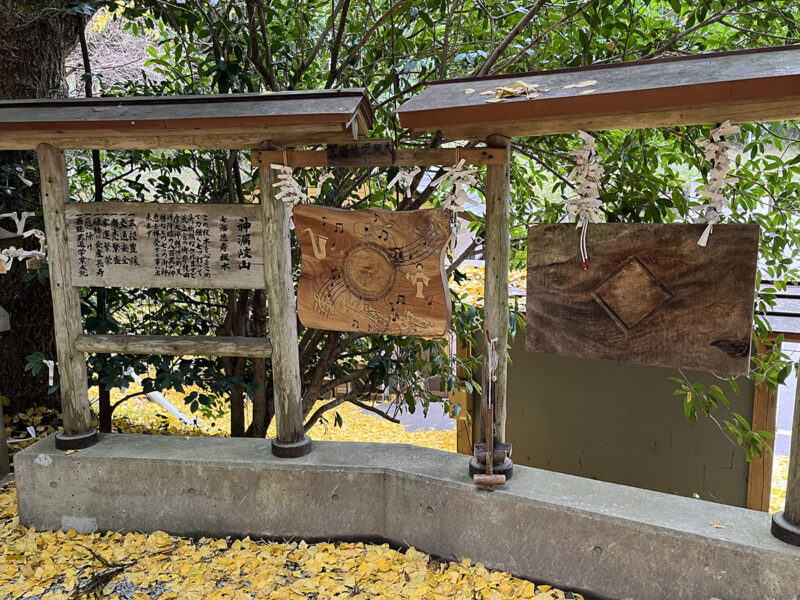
[[759, 480], [5, 325], [290, 440], [786, 524], [78, 431], [497, 246]]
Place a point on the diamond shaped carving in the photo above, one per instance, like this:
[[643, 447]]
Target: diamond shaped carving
[[631, 294]]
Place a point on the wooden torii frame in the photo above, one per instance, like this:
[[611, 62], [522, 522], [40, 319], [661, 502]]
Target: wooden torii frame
[[742, 86]]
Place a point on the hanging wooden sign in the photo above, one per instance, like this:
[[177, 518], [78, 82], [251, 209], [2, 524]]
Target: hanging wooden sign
[[650, 294], [134, 244], [373, 271]]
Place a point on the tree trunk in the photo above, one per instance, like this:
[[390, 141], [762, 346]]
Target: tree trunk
[[35, 42], [258, 428]]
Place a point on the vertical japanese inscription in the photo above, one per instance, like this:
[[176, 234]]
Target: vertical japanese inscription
[[105, 241], [166, 245], [181, 244]]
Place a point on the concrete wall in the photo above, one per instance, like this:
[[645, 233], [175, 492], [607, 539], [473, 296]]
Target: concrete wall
[[609, 540], [620, 423]]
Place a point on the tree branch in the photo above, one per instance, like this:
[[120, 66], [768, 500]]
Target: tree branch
[[337, 42], [498, 52], [545, 33]]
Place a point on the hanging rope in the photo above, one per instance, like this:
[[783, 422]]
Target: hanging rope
[[716, 154], [585, 205], [289, 190]]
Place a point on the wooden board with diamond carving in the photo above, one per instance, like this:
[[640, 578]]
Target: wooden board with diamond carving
[[650, 295], [373, 271]]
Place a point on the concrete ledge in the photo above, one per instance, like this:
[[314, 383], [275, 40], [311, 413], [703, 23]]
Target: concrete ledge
[[608, 540]]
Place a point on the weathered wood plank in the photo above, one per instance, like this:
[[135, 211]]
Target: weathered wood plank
[[401, 157], [195, 138], [373, 271], [72, 377], [291, 106], [138, 244], [174, 345], [736, 112], [650, 295], [497, 250], [360, 154], [744, 86], [759, 478], [282, 313], [236, 121]]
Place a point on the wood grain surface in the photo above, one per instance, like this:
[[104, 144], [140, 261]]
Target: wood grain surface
[[72, 379], [650, 295], [373, 271], [203, 345], [744, 86], [134, 244]]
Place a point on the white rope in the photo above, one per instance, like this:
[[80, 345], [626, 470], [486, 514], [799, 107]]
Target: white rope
[[716, 154], [289, 190], [585, 205]]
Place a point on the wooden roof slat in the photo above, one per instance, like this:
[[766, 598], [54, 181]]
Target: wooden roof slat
[[743, 86], [216, 121]]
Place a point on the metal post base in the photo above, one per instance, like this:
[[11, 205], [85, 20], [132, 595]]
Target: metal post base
[[291, 450], [77, 441], [784, 530], [505, 468]]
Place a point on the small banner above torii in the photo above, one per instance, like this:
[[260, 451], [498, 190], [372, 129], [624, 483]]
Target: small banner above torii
[[651, 295]]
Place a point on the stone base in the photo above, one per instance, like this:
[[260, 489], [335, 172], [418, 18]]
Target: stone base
[[291, 450], [784, 530], [76, 442], [602, 539], [505, 468]]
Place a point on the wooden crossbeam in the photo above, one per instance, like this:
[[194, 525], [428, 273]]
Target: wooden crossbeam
[[175, 345], [377, 153]]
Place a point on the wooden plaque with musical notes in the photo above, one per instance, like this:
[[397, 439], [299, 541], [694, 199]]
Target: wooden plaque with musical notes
[[374, 271]]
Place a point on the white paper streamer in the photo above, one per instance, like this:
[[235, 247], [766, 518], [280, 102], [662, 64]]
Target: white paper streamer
[[406, 178], [585, 205], [51, 371], [7, 255], [716, 154], [289, 190], [19, 219]]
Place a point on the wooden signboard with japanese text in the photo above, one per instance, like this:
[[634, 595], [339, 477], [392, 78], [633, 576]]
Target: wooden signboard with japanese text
[[373, 271], [650, 294], [134, 244]]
